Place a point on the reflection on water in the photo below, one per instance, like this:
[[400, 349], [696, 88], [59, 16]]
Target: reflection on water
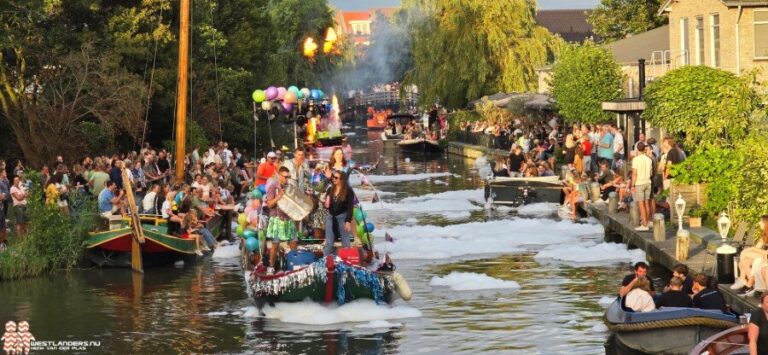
[[200, 308]]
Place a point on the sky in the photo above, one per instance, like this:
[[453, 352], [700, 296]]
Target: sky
[[355, 5]]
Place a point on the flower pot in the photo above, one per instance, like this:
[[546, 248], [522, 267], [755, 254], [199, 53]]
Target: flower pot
[[694, 222]]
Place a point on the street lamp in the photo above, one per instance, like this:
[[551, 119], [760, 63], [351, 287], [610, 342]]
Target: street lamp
[[680, 209], [724, 225]]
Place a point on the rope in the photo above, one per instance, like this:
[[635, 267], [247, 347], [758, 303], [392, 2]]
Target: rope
[[151, 81], [672, 323]]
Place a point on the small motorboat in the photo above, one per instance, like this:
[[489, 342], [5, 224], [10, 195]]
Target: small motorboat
[[520, 191], [730, 341], [668, 330], [420, 145]]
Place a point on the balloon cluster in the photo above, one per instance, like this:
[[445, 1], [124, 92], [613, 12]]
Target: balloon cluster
[[286, 98], [363, 229]]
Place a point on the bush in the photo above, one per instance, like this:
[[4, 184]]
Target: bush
[[706, 106], [53, 241]]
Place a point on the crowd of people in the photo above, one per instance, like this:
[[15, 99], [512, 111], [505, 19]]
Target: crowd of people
[[215, 177]]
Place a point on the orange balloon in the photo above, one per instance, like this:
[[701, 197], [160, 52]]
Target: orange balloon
[[290, 97]]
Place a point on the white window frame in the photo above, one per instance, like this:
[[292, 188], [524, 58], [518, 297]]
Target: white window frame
[[714, 54], [685, 48], [754, 39], [699, 38]]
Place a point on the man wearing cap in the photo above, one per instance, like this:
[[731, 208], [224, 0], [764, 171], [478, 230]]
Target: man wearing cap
[[642, 167], [267, 169]]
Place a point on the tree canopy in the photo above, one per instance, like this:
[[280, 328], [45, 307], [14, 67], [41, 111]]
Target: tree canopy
[[465, 49], [706, 106], [616, 19], [584, 77]]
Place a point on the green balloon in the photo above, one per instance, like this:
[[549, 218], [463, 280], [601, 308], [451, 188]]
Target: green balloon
[[262, 235], [360, 230], [259, 96], [256, 194], [249, 233], [239, 231], [358, 213]]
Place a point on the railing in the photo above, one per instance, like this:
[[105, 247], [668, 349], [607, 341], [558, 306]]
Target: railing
[[383, 98]]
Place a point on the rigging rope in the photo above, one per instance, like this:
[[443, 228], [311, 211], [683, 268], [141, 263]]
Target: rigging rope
[[216, 72], [151, 81]]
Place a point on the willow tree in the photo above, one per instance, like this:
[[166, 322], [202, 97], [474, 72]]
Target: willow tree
[[465, 49]]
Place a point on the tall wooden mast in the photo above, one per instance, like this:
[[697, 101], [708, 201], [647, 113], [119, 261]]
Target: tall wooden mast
[[181, 106]]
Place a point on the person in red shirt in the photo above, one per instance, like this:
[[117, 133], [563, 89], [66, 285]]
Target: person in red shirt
[[586, 147], [266, 170]]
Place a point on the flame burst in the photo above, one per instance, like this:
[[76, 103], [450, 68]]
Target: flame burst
[[330, 40], [310, 48]]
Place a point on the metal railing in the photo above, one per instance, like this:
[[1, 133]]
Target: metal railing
[[383, 98]]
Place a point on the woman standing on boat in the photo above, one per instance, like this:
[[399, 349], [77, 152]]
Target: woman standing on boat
[[758, 328], [338, 162], [339, 202]]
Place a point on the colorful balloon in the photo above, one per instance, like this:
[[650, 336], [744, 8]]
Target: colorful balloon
[[271, 93], [263, 189], [290, 97], [256, 195], [239, 231], [249, 233], [281, 93], [294, 89], [369, 227], [358, 214], [360, 229], [315, 94], [266, 105], [305, 93], [252, 244], [287, 107], [242, 219], [259, 96]]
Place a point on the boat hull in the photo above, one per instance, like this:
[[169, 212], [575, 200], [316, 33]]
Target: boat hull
[[522, 191], [420, 146], [679, 340]]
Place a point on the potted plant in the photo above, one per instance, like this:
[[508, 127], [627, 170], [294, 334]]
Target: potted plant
[[695, 215]]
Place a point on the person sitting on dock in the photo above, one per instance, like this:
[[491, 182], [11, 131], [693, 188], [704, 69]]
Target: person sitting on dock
[[674, 296], [758, 328], [751, 261], [606, 179], [639, 299], [705, 297], [641, 270], [188, 231]]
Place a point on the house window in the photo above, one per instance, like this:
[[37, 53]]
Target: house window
[[715, 50], [761, 34], [685, 47], [361, 28], [699, 40]]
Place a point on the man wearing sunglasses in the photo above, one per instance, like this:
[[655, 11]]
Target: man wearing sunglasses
[[280, 228]]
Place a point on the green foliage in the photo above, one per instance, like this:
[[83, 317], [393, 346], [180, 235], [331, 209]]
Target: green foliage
[[584, 77], [195, 138], [751, 180], [465, 49], [616, 19], [97, 140], [54, 240], [456, 118], [707, 106]]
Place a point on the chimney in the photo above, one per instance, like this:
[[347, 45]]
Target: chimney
[[641, 74]]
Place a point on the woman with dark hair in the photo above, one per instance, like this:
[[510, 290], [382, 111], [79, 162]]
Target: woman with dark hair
[[338, 162], [339, 202], [758, 328]]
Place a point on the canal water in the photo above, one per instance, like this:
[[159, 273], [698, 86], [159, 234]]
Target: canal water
[[493, 282]]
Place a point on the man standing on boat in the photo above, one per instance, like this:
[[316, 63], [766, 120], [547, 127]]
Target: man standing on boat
[[298, 169], [280, 227]]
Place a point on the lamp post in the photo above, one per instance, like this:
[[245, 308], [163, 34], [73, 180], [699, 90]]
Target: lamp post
[[725, 253], [680, 209]]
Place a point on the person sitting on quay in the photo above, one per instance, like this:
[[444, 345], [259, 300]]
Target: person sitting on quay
[[705, 297], [606, 180], [674, 296], [189, 231], [628, 283], [758, 328], [751, 262], [639, 298]]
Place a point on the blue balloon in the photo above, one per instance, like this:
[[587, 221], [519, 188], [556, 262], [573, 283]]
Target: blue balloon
[[369, 227], [315, 94], [252, 244], [249, 233], [263, 189]]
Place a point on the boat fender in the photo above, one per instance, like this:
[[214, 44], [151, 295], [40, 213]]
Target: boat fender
[[402, 286]]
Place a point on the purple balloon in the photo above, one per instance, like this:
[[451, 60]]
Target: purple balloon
[[271, 93], [281, 93], [287, 107]]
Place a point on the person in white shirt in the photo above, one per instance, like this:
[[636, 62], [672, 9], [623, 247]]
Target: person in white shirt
[[640, 299], [150, 199], [19, 195], [618, 144], [642, 168]]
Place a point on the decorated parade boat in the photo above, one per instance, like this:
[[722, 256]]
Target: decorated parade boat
[[668, 330]]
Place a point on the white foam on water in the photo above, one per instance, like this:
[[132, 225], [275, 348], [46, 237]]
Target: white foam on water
[[313, 313], [411, 220], [449, 201], [599, 328], [356, 180], [586, 253], [492, 237], [470, 281], [456, 215], [379, 324], [439, 182], [538, 209], [227, 251], [216, 314], [350, 133], [606, 301]]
